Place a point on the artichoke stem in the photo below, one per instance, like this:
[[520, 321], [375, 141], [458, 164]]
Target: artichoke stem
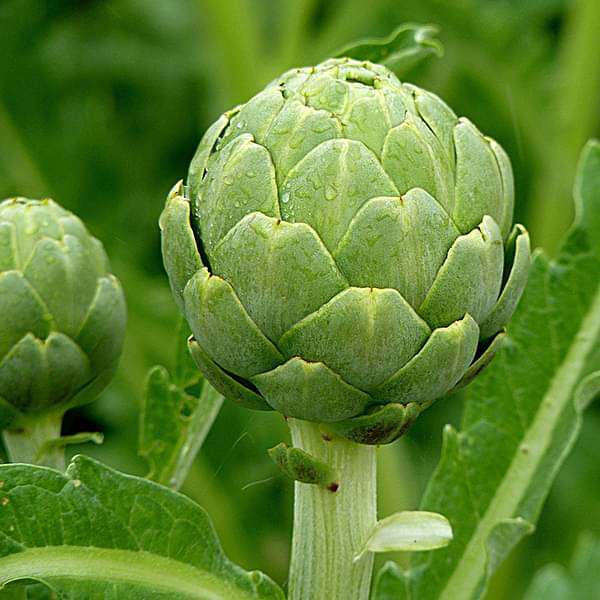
[[28, 443], [332, 525]]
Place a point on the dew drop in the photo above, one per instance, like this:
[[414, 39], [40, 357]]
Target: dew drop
[[296, 141], [320, 126], [330, 192]]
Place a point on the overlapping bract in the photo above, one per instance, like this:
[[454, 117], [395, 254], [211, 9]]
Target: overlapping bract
[[344, 242], [62, 314]]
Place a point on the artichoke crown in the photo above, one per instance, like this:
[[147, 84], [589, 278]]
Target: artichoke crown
[[62, 314], [343, 242]]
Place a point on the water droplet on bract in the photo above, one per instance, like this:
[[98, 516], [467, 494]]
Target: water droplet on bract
[[330, 192], [282, 129], [315, 182], [250, 174], [320, 126], [285, 197], [372, 240], [50, 260], [296, 141], [228, 180]]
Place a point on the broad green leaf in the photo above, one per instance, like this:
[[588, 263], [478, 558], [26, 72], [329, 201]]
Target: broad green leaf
[[177, 415], [96, 533], [521, 416], [401, 50], [580, 581]]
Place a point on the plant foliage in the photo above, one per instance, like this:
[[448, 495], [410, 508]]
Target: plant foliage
[[96, 533]]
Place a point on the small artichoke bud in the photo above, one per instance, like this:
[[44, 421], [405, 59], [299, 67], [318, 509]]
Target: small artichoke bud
[[62, 314], [343, 242]]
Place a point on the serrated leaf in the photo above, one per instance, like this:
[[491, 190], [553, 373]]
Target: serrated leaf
[[581, 581], [521, 416], [96, 533], [400, 51], [177, 414], [174, 425]]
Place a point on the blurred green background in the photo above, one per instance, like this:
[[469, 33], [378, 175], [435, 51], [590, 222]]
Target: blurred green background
[[102, 104]]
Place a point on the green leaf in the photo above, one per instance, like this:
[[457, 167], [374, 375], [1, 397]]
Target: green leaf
[[408, 45], [96, 533], [174, 425], [177, 415], [554, 582], [522, 415]]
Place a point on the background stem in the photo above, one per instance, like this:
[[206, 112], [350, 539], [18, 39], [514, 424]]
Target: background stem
[[330, 528], [26, 444]]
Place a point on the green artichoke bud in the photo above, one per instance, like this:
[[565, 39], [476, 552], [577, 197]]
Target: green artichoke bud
[[344, 242], [62, 314]]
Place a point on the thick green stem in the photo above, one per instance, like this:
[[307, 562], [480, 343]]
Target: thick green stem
[[29, 443], [331, 528]]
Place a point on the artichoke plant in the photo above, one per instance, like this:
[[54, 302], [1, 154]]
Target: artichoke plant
[[62, 314], [343, 249]]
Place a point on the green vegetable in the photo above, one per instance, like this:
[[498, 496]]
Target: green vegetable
[[62, 314], [344, 242]]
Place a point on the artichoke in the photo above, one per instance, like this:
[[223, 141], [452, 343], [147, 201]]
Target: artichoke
[[343, 249], [62, 314]]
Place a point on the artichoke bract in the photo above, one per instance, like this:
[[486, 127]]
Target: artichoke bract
[[62, 314], [343, 249]]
